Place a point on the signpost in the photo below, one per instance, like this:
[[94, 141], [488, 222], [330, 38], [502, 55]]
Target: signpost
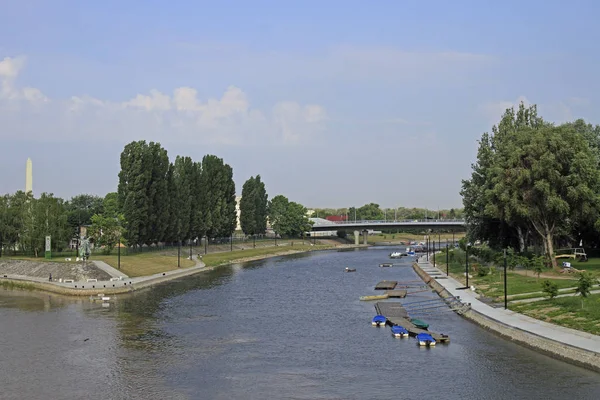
[[48, 254]]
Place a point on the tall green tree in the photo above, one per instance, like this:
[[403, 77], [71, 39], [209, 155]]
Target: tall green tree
[[217, 200], [253, 207], [134, 179], [183, 175], [531, 175], [157, 161], [277, 211]]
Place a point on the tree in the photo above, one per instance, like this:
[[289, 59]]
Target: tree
[[217, 200], [550, 288], [183, 175], [106, 231], [531, 176], [278, 214], [134, 179], [157, 161], [538, 265], [370, 212], [584, 285], [253, 207]]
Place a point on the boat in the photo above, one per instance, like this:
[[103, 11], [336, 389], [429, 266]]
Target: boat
[[399, 331], [396, 254], [374, 297], [419, 324], [386, 265], [425, 339], [350, 269], [379, 320]]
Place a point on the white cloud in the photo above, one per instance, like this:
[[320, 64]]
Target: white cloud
[[180, 116]]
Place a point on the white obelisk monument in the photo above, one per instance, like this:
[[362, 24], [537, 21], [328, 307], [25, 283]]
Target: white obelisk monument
[[29, 177]]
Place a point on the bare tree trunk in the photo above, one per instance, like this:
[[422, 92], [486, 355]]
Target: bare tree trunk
[[521, 239], [549, 245]]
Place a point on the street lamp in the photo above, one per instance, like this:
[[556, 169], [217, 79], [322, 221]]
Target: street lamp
[[505, 297], [467, 262]]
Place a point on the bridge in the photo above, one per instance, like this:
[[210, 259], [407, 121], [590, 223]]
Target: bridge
[[323, 225]]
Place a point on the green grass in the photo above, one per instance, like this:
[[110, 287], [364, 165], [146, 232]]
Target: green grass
[[145, 263], [566, 311], [215, 259], [493, 285]]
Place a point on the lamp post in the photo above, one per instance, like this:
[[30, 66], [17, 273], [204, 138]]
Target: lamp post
[[191, 257], [447, 263], [427, 244], [467, 263], [433, 253], [119, 252], [505, 297], [178, 254]]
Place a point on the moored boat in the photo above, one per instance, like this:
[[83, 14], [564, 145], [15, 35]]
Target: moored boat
[[395, 254], [399, 331], [374, 297], [419, 324], [350, 269], [386, 265], [379, 320], [425, 339]]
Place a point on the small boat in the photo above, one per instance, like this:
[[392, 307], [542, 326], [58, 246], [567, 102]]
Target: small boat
[[379, 320], [419, 324], [350, 269], [386, 265], [374, 297], [395, 254], [399, 331], [425, 339]]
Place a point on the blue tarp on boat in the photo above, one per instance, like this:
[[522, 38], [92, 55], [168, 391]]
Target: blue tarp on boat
[[399, 330], [379, 318]]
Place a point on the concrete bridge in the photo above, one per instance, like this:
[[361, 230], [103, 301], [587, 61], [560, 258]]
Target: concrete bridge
[[323, 225]]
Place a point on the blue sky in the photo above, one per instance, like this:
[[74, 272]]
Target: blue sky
[[334, 103]]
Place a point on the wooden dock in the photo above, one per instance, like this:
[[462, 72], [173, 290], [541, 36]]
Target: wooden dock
[[396, 293], [386, 285], [396, 314]]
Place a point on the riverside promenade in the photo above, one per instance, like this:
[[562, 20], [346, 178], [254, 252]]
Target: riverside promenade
[[568, 344]]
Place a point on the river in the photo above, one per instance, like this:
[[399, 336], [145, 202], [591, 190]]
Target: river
[[283, 328]]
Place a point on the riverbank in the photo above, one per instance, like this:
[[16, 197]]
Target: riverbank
[[121, 283], [576, 347]]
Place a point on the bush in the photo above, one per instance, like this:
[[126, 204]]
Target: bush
[[482, 271], [550, 288]]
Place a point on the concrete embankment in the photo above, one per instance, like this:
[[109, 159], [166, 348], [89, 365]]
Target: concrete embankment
[[575, 347]]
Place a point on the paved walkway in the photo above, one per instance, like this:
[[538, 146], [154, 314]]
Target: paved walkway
[[113, 272], [558, 333]]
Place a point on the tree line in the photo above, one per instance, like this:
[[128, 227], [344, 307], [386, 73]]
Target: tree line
[[157, 201], [373, 212], [535, 185]]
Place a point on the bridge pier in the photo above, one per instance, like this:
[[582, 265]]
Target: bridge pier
[[365, 236], [356, 238]]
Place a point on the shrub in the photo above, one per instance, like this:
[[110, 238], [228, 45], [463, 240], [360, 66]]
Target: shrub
[[550, 288]]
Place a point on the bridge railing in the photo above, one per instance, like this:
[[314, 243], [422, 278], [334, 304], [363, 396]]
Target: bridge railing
[[403, 221]]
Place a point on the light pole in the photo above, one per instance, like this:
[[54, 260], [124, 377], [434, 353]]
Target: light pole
[[119, 252], [505, 296], [179, 254], [467, 263], [433, 253], [447, 262]]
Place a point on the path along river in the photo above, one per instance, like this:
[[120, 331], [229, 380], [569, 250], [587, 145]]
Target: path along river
[[284, 328]]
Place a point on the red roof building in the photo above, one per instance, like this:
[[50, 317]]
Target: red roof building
[[337, 218]]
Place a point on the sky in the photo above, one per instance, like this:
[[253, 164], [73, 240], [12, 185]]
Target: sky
[[334, 103]]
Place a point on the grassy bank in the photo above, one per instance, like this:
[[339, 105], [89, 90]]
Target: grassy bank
[[566, 311], [492, 283], [145, 263], [12, 285], [216, 259]]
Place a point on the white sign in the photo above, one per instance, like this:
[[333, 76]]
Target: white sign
[[47, 243]]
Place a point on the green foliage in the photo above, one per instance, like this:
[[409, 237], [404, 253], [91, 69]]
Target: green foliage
[[288, 218], [550, 288], [106, 231], [532, 181], [585, 283], [253, 207], [217, 200]]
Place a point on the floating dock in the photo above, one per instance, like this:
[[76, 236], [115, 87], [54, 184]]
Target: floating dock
[[396, 314], [396, 293], [386, 285]]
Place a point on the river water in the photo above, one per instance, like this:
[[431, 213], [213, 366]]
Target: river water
[[284, 328]]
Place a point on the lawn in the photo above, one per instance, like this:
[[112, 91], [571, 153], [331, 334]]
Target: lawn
[[492, 285], [214, 259], [566, 311], [145, 264]]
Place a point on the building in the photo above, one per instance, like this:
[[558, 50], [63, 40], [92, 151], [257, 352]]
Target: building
[[337, 218]]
